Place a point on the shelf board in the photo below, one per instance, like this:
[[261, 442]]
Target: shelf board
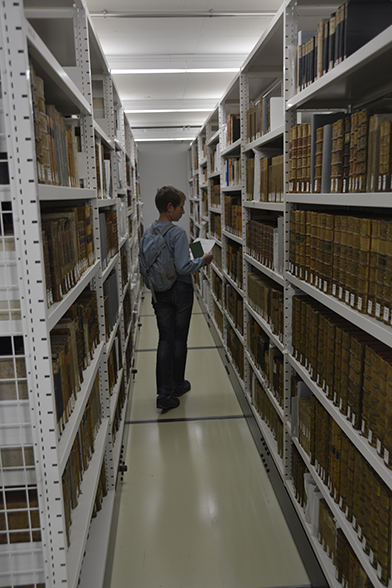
[[369, 453], [362, 77], [265, 326], [81, 516], [62, 91], [72, 427], [259, 205], [266, 388], [58, 309], [233, 149], [368, 199], [232, 236], [47, 192], [266, 270], [365, 322], [275, 137], [341, 520]]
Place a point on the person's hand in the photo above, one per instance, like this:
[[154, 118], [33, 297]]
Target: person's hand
[[208, 257]]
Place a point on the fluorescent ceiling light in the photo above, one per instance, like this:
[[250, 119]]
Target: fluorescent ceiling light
[[177, 70], [167, 110], [168, 139]]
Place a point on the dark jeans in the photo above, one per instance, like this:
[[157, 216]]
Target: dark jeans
[[173, 310]]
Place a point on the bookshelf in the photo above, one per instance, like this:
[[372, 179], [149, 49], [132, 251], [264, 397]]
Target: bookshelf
[[289, 242], [69, 232]]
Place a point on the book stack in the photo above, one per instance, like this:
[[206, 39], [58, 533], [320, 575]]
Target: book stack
[[236, 350], [124, 267], [217, 287], [218, 316], [338, 134], [102, 491], [108, 231], [68, 248], [233, 171], [216, 226], [233, 214], [111, 302], [264, 178], [103, 171], [327, 531], [234, 305], [215, 158], [233, 128], [234, 262], [349, 571], [268, 414], [55, 140], [347, 29], [260, 241], [266, 298], [299, 158], [361, 270], [80, 456], [250, 178], [258, 345], [73, 342], [118, 413], [298, 471], [275, 179], [215, 193]]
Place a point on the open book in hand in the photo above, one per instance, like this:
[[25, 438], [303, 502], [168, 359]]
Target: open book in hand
[[201, 246]]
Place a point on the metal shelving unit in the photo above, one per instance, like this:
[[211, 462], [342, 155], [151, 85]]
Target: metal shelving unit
[[60, 41], [360, 79]]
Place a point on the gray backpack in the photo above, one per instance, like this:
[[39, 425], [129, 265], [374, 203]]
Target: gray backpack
[[156, 263]]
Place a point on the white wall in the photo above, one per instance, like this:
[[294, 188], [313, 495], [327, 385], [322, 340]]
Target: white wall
[[163, 164]]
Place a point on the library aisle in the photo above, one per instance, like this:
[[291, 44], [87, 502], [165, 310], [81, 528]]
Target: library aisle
[[196, 508]]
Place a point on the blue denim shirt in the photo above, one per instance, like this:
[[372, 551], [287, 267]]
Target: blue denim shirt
[[177, 242]]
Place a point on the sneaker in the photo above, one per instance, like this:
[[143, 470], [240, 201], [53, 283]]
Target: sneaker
[[180, 390], [167, 402]]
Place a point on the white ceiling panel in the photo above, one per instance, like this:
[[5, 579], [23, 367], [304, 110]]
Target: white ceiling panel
[[178, 38]]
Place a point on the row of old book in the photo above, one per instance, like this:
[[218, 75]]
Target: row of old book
[[218, 316], [264, 242], [80, 456], [73, 342], [236, 350], [271, 179], [266, 298], [215, 158], [217, 287], [103, 168], [67, 238], [115, 362], [204, 203], [216, 226], [108, 231], [268, 414], [348, 257], [337, 37], [233, 128], [234, 307], [233, 214], [215, 193], [349, 571], [111, 302], [352, 368], [232, 171], [268, 359], [234, 262], [337, 153], [264, 115], [56, 141], [361, 495]]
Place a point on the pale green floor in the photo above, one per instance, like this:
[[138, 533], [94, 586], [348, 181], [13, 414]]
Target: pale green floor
[[196, 508]]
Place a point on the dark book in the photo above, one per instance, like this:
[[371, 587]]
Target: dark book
[[197, 249]]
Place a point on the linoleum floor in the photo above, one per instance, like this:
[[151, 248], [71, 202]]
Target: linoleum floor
[[196, 507]]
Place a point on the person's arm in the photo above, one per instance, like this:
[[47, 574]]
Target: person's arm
[[182, 259]]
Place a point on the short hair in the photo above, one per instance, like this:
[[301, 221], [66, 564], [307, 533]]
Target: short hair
[[168, 195]]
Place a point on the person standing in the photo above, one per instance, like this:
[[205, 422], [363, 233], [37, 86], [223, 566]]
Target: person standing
[[173, 307]]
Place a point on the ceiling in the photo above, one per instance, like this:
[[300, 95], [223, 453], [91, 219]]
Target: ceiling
[[179, 34]]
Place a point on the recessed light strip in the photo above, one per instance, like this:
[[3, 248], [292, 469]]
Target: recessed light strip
[[165, 110], [176, 70]]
